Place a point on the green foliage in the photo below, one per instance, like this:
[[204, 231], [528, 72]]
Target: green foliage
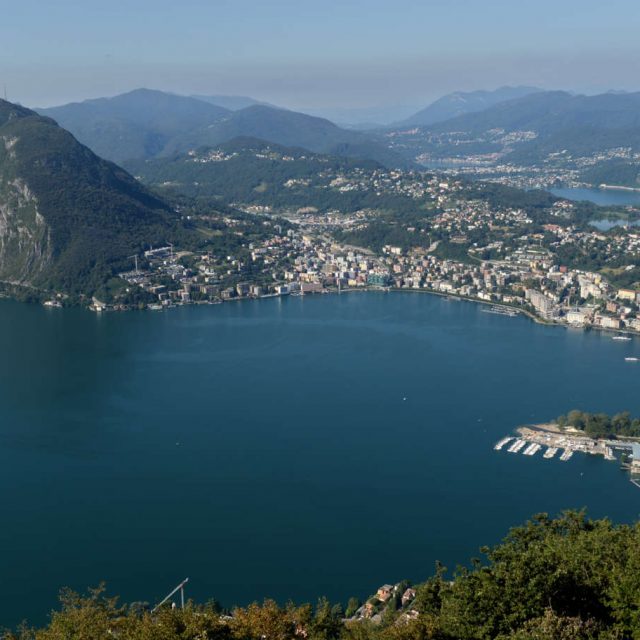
[[255, 173], [145, 124], [85, 216], [138, 124], [614, 172], [601, 425], [568, 578]]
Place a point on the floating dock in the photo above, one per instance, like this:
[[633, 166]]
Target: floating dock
[[516, 446], [567, 453], [502, 442], [550, 452], [532, 449]]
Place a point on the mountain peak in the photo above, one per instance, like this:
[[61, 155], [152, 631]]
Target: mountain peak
[[461, 103], [69, 217], [10, 111]]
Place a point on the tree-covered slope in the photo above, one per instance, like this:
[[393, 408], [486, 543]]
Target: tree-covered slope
[[575, 124], [290, 129], [255, 172], [67, 217], [147, 124], [138, 124], [568, 578]]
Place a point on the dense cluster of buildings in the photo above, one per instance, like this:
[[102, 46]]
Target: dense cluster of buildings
[[505, 258], [300, 263]]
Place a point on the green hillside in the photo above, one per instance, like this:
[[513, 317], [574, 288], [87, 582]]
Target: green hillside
[[568, 578], [138, 124], [255, 172], [145, 124], [69, 218]]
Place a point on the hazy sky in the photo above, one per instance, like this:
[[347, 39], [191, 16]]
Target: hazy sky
[[322, 53]]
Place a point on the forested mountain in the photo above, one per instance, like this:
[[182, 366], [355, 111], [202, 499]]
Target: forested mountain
[[138, 124], [67, 217], [256, 172], [561, 122], [147, 124], [553, 112], [290, 129], [460, 103]]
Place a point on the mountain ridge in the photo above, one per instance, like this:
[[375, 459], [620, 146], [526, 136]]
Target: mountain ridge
[[460, 103], [138, 123], [180, 123], [67, 217]]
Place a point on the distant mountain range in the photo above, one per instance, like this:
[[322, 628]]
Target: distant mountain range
[[232, 103], [147, 124], [138, 124], [461, 103], [562, 122], [552, 112], [68, 219]]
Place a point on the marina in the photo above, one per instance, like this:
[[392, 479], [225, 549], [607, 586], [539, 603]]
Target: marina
[[502, 442], [533, 438], [501, 311], [106, 428], [532, 449]]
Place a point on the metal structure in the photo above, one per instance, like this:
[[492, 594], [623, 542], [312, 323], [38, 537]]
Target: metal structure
[[136, 259], [180, 588]]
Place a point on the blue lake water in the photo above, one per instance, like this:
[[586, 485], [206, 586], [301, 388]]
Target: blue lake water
[[286, 447], [603, 197]]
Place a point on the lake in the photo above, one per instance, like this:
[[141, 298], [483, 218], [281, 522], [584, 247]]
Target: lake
[[286, 448], [602, 197]]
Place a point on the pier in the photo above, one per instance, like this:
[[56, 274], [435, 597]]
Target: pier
[[533, 438]]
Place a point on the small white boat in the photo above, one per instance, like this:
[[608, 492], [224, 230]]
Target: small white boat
[[631, 359]]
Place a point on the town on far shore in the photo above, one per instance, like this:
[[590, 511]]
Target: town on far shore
[[462, 245]]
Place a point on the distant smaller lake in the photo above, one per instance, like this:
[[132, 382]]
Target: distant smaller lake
[[601, 197], [605, 225]]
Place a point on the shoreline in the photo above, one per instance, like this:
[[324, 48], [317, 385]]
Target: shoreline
[[568, 441], [613, 187], [501, 305]]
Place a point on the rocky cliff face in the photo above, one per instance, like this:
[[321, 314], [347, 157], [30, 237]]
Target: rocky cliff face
[[67, 218], [25, 238]]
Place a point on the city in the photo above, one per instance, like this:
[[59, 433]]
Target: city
[[504, 256]]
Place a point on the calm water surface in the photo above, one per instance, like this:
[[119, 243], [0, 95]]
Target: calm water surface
[[601, 197], [283, 448]]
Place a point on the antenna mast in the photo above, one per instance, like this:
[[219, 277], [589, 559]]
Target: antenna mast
[[180, 588]]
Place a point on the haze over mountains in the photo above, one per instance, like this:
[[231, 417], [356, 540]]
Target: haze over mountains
[[561, 122], [460, 103], [146, 123], [232, 103], [552, 111], [138, 124]]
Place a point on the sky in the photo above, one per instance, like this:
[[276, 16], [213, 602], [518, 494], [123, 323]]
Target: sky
[[326, 53]]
